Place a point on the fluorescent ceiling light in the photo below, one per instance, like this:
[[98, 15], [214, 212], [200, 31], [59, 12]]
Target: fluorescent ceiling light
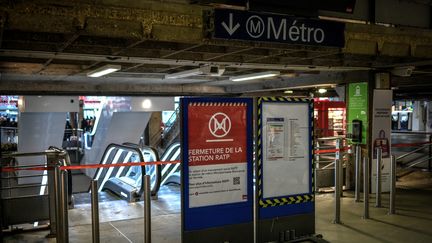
[[288, 91], [183, 74], [255, 76], [104, 70], [322, 91]]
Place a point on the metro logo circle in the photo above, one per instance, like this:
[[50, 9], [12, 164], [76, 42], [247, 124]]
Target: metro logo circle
[[217, 133], [219, 125]]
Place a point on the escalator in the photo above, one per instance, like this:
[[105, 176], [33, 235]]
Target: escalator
[[171, 172], [127, 182]]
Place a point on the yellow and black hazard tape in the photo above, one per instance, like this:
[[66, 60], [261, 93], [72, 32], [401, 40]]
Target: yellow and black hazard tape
[[285, 99], [285, 200]]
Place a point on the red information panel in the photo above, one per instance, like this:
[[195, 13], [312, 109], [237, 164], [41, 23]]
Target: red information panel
[[217, 153]]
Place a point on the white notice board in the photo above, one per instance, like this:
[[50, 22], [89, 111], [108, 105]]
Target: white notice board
[[286, 149]]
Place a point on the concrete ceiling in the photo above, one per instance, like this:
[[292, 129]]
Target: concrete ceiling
[[48, 47]]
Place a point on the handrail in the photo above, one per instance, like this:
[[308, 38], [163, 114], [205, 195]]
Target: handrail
[[153, 151], [97, 118], [412, 152], [13, 155], [330, 138], [412, 132], [172, 123], [129, 147], [412, 164]]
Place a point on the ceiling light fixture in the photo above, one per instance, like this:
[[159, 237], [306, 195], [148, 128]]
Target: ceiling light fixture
[[211, 70], [322, 91], [104, 70], [255, 76], [183, 74], [288, 91]]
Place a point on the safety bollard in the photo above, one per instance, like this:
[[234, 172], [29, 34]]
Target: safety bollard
[[337, 191], [357, 172], [366, 187], [147, 210], [95, 211], [430, 154], [52, 196], [58, 210], [392, 209], [339, 146], [378, 177], [64, 205]]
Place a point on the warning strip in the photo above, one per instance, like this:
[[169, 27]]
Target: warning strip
[[402, 145], [287, 200], [90, 166], [273, 202]]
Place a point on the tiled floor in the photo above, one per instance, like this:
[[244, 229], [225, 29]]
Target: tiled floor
[[123, 222]]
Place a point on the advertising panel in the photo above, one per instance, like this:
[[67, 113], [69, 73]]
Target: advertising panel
[[217, 164], [217, 154], [381, 136], [358, 107]]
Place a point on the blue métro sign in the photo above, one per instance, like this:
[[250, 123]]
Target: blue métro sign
[[250, 26]]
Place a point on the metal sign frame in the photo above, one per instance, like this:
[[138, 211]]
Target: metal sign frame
[[263, 27], [294, 212], [232, 222]]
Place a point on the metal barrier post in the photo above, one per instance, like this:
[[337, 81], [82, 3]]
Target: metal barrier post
[[366, 187], [392, 185], [52, 195], [357, 172], [339, 146], [337, 191], [378, 177], [95, 211], [64, 205], [430, 153], [147, 210], [1, 194], [58, 211]]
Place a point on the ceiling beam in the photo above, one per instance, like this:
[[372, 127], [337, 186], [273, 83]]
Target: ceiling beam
[[143, 60], [87, 88], [2, 25], [168, 55], [296, 82], [60, 49]]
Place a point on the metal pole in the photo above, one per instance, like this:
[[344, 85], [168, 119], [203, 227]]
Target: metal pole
[[52, 196], [1, 192], [147, 210], [392, 185], [430, 153], [95, 211], [337, 191], [64, 205], [58, 210], [366, 187], [339, 145], [378, 177], [357, 172]]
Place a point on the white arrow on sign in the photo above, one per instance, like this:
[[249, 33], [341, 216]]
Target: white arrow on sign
[[230, 29]]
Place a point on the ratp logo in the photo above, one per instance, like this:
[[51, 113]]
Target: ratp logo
[[255, 26], [357, 91], [219, 125]]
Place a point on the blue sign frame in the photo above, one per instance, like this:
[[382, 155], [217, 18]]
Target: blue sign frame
[[227, 214], [290, 204], [251, 26]]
